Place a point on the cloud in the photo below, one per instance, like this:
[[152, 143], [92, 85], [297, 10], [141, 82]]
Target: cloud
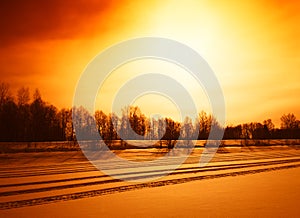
[[29, 20]]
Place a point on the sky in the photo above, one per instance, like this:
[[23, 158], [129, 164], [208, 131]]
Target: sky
[[252, 46]]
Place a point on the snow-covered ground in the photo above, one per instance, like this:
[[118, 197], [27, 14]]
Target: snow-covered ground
[[238, 181]]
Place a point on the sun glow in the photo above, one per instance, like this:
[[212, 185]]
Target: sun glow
[[157, 104], [252, 46]]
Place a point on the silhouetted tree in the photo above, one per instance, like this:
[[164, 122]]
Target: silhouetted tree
[[269, 125], [102, 124], [233, 132], [290, 127], [187, 129], [172, 132], [8, 120], [23, 96], [4, 93], [137, 121], [84, 124], [66, 125], [22, 120], [289, 121], [204, 121]]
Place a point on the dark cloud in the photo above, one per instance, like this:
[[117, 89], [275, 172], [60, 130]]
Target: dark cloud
[[22, 20]]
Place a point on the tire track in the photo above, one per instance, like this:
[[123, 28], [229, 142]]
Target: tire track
[[79, 186], [106, 191], [183, 170], [60, 169]]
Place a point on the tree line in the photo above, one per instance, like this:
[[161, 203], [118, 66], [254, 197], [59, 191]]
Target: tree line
[[29, 118]]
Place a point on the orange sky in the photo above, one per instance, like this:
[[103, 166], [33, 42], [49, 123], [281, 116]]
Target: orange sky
[[252, 46]]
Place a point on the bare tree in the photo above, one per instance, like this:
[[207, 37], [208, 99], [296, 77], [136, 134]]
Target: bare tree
[[66, 125], [37, 95], [206, 122], [4, 93], [289, 121], [269, 124], [102, 124], [187, 128], [23, 96]]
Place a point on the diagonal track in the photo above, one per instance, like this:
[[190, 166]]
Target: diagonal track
[[39, 182]]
